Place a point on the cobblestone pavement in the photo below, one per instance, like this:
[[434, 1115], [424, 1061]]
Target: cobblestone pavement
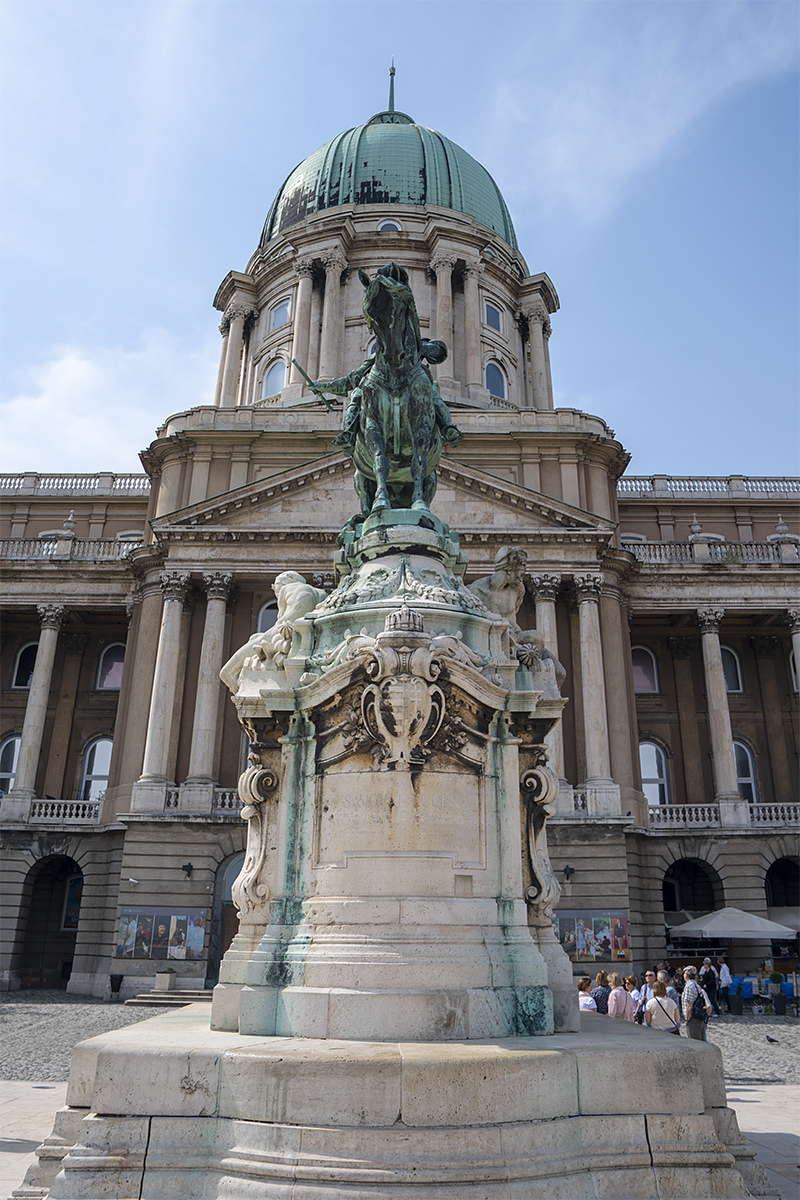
[[38, 1030]]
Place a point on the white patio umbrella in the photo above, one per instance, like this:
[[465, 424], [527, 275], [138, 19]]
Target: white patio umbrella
[[732, 923]]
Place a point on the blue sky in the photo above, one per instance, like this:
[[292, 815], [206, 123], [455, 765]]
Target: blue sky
[[648, 152]]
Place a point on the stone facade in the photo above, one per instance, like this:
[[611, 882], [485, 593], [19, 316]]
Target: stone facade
[[670, 602]]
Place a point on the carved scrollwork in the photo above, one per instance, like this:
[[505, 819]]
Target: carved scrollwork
[[256, 785], [403, 713], [541, 788]]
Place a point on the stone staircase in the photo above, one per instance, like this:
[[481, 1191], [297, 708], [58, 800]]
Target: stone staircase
[[171, 999]]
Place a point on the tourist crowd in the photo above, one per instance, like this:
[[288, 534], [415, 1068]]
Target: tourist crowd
[[664, 1000]]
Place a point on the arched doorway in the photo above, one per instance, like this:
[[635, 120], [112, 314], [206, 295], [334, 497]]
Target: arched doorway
[[782, 884], [48, 948], [691, 886], [225, 920]]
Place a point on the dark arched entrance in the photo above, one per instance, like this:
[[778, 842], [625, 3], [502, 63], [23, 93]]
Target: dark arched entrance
[[48, 948], [691, 886], [782, 884], [225, 921]]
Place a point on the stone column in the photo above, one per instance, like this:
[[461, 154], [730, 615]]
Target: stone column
[[538, 320], [544, 589], [304, 268], [237, 315], [792, 618], [51, 617], [682, 649], [547, 329], [733, 810], [442, 266], [595, 718], [206, 707], [335, 262], [224, 328], [174, 586], [472, 322]]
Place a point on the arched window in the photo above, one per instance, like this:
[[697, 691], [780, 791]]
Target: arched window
[[493, 316], [495, 380], [645, 670], [689, 885], [390, 226], [109, 670], [267, 616], [655, 777], [9, 753], [96, 764], [274, 379], [22, 674], [279, 315], [745, 771], [732, 669]]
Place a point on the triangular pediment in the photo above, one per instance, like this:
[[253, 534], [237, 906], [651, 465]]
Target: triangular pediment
[[319, 497]]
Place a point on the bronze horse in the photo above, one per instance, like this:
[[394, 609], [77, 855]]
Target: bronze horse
[[396, 418]]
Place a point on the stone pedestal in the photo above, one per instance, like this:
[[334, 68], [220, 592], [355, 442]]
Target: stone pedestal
[[170, 1108]]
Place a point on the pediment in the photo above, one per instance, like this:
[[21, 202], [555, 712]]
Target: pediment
[[319, 498]]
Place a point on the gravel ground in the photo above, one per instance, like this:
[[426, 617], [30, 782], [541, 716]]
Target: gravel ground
[[38, 1030]]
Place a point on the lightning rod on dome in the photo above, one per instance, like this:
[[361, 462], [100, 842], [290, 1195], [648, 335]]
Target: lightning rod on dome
[[391, 86]]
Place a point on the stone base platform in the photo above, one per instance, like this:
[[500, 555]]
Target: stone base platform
[[171, 1108]]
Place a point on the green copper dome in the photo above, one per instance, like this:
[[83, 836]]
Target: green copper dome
[[390, 160]]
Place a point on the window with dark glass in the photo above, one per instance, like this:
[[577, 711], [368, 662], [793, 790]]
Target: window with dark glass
[[745, 771], [389, 227], [274, 378], [495, 380], [279, 315], [109, 672], [9, 753], [645, 670], [23, 668], [267, 616], [494, 318], [732, 669]]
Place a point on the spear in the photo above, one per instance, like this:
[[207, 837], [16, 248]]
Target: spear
[[317, 391]]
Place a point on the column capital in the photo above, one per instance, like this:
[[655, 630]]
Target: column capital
[[535, 314], [588, 587], [243, 312], [792, 619], [51, 616], [473, 269], [442, 260], [708, 619], [175, 585], [681, 647], [334, 260], [218, 585], [543, 587], [764, 645], [304, 267]]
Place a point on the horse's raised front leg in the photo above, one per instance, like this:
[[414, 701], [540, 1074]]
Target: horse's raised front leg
[[420, 499], [377, 448]]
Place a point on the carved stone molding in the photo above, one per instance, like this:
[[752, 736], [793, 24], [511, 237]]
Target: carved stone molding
[[324, 579], [256, 786], [334, 261], [681, 647], [243, 312], [175, 585], [792, 619], [540, 788], [588, 587], [708, 619], [218, 585], [536, 314], [225, 325], [764, 646], [51, 616], [543, 587], [304, 267]]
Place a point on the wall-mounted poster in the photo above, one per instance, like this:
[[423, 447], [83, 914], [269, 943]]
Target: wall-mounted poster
[[161, 933], [593, 936]]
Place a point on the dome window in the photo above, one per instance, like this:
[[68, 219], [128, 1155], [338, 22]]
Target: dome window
[[493, 317], [274, 379], [390, 226], [279, 315], [495, 381]]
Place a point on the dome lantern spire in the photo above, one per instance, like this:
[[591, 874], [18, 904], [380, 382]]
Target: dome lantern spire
[[391, 86]]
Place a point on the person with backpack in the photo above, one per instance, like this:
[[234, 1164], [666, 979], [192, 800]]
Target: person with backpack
[[708, 979], [695, 1005]]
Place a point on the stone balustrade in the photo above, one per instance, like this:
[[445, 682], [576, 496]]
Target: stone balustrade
[[775, 814], [226, 802], [32, 483], [731, 486], [719, 553], [682, 816], [77, 549], [65, 812]]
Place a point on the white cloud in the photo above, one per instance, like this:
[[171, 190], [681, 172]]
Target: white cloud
[[606, 91], [88, 409]]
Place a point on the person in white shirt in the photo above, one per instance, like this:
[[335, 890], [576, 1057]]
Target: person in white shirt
[[661, 1012], [585, 1000], [725, 981]]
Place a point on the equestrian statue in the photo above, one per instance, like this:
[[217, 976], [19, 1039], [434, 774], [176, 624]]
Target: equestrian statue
[[396, 419]]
